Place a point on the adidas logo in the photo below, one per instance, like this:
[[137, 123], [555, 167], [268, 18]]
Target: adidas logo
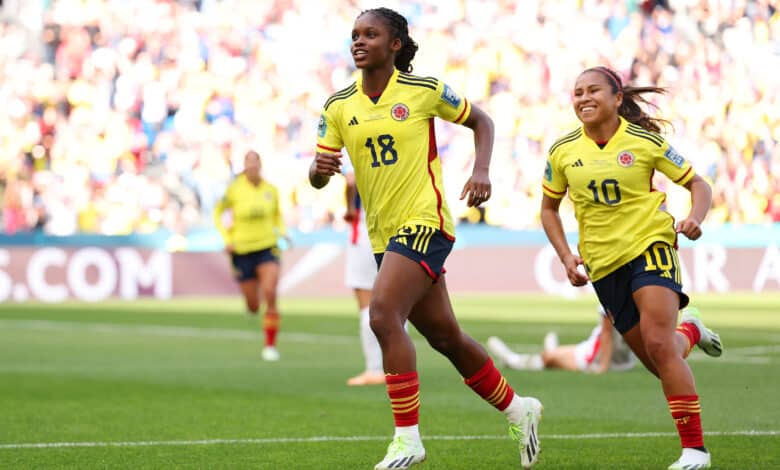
[[353, 121], [578, 163]]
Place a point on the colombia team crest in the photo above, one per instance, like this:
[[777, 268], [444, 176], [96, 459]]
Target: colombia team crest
[[399, 112], [625, 159]]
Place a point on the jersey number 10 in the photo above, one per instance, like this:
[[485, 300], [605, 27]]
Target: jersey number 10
[[387, 154], [610, 191]]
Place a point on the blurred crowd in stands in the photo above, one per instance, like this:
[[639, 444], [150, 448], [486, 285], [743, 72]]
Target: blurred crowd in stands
[[132, 116]]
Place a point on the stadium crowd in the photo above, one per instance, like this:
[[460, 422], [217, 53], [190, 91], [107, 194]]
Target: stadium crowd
[[125, 117]]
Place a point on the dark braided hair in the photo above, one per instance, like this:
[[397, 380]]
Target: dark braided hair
[[399, 28], [630, 108]]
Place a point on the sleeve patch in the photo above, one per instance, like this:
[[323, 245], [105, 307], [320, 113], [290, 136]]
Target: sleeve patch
[[548, 172], [449, 96], [674, 157], [322, 127]]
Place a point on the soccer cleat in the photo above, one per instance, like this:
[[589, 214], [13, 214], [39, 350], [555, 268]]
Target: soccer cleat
[[270, 354], [367, 378], [709, 342], [500, 350], [525, 431], [550, 341], [691, 459], [403, 452]]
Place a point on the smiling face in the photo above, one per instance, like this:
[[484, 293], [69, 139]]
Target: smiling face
[[594, 99], [373, 44]]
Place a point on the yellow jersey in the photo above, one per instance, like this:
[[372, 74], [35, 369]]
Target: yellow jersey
[[392, 147], [257, 220], [619, 212]]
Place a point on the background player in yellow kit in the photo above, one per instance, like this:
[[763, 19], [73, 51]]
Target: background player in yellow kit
[[385, 121], [627, 241], [251, 242]]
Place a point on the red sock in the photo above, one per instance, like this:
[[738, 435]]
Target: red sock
[[691, 333], [491, 386], [404, 392], [686, 412], [271, 327]]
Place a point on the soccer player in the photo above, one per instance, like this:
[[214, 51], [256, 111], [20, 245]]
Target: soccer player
[[359, 275], [251, 242], [603, 350], [385, 121], [627, 241]]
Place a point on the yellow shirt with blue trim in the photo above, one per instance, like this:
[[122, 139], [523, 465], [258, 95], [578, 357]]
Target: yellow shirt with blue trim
[[257, 219], [619, 212], [392, 147]]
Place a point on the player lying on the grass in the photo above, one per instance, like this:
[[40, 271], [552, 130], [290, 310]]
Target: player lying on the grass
[[603, 350]]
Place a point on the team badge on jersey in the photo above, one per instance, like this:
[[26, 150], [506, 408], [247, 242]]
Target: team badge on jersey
[[322, 127], [449, 96], [674, 157], [400, 112], [626, 159]]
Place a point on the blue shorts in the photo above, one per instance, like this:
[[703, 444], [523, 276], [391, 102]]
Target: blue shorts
[[425, 245], [657, 266], [245, 265]]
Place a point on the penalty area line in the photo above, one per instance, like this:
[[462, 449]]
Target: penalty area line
[[314, 439]]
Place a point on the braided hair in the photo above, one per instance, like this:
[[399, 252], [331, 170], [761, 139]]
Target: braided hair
[[630, 108], [399, 28]]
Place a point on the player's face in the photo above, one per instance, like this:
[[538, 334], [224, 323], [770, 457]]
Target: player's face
[[372, 44], [594, 101], [252, 164]]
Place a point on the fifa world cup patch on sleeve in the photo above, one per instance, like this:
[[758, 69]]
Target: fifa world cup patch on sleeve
[[548, 171], [448, 95], [322, 128], [674, 157]]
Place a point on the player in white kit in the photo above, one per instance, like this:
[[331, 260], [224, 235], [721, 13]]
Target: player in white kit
[[603, 350], [359, 274]]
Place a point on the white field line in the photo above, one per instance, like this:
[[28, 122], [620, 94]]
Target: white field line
[[171, 331], [297, 440]]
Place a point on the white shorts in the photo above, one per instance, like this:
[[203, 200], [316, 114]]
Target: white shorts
[[360, 266]]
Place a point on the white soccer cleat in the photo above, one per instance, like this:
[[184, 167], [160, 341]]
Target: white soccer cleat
[[550, 341], [500, 350], [525, 431], [403, 452], [691, 459], [709, 342], [270, 354]]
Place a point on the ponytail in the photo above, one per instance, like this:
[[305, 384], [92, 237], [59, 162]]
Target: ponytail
[[399, 28], [630, 108]]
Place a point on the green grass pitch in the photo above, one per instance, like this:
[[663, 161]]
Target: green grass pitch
[[180, 384]]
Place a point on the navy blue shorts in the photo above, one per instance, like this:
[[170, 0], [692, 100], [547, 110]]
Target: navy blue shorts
[[657, 266], [245, 265], [425, 245]]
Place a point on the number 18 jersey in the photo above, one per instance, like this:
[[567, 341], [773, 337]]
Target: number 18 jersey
[[618, 211], [392, 147]]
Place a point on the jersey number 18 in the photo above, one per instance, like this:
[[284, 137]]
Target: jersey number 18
[[387, 154]]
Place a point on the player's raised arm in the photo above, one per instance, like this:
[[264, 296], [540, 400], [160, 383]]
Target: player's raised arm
[[478, 187], [324, 165]]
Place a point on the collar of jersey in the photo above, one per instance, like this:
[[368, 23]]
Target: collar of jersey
[[621, 128], [390, 83]]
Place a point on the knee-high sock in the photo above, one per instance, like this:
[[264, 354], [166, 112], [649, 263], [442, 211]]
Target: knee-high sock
[[371, 350]]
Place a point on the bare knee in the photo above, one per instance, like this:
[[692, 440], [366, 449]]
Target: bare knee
[[445, 341], [659, 348], [384, 319]]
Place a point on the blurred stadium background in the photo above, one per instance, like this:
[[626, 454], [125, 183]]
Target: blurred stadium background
[[123, 122]]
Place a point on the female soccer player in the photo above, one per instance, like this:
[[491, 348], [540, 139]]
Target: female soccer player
[[627, 241], [251, 242], [604, 350], [385, 121], [359, 275]]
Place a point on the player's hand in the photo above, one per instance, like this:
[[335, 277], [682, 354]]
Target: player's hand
[[229, 248], [350, 215], [327, 163], [690, 228], [575, 273], [477, 188]]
